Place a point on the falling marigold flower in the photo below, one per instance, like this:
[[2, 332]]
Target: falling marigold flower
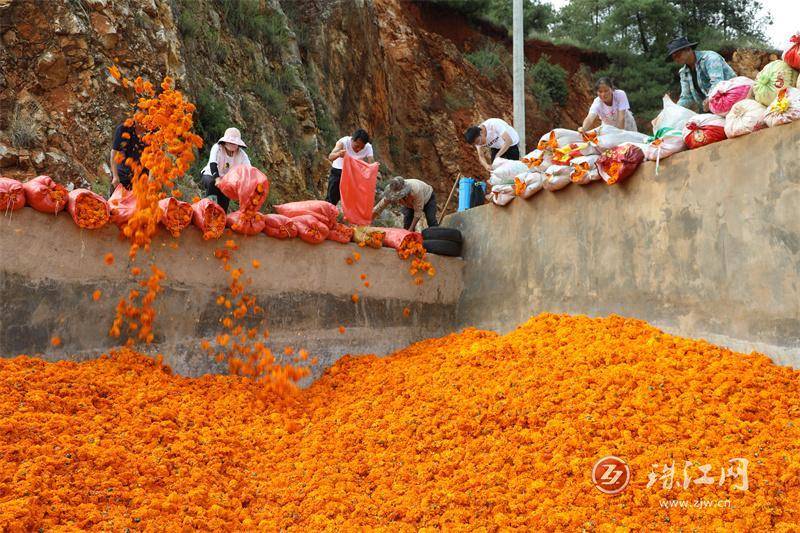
[[135, 271], [230, 243], [96, 295], [55, 341], [363, 276], [256, 263], [354, 298], [356, 256], [341, 329], [195, 199], [349, 260], [366, 283], [288, 350], [406, 312], [109, 258]]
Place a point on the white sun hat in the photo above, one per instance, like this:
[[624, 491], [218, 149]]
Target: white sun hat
[[233, 136]]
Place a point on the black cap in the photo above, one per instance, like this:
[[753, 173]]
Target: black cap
[[678, 43]]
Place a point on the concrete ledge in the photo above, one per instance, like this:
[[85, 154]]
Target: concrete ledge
[[708, 248], [49, 269]]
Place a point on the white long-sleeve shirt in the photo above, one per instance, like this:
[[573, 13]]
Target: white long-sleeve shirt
[[225, 162]]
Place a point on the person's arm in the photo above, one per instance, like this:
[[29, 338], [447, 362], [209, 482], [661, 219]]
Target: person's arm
[[378, 209], [715, 70], [245, 158], [589, 121], [507, 142], [337, 152], [620, 119], [212, 163], [419, 208], [686, 99], [483, 162], [114, 174]]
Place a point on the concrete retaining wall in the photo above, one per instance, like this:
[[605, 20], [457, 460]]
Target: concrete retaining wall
[[49, 269], [709, 248]]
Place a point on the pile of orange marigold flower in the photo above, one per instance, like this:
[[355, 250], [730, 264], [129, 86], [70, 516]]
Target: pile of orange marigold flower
[[474, 429]]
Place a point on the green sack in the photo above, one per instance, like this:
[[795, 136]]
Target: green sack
[[774, 76]]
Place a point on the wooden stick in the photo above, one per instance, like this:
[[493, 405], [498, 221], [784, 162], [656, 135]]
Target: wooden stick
[[444, 209]]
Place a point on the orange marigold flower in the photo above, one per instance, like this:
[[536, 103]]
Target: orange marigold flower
[[366, 283], [96, 295], [354, 298], [55, 341], [256, 263], [406, 312], [109, 258]]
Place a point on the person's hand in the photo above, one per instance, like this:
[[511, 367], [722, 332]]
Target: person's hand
[[115, 181], [216, 182], [580, 130], [341, 153], [705, 104], [487, 166]]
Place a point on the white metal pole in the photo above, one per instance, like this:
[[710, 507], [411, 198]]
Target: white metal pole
[[519, 75]]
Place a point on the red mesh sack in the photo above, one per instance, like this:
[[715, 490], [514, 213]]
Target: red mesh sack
[[121, 205], [209, 217], [358, 190], [45, 195], [88, 210], [792, 53], [618, 163], [246, 222], [704, 129], [279, 226], [12, 195], [399, 238], [310, 229], [246, 185], [320, 209], [175, 214], [341, 233]]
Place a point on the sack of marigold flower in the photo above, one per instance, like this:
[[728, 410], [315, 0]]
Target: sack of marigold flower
[[662, 144], [606, 137], [45, 195], [12, 195], [701, 130], [784, 109], [557, 177], [279, 226], [584, 169], [528, 184], [323, 211], [672, 116], [558, 138], [88, 210], [502, 194], [121, 205], [504, 173], [728, 92], [746, 116], [341, 233], [399, 238], [368, 236], [311, 229], [176, 215], [791, 54], [618, 163], [209, 217], [246, 222], [772, 78], [246, 185]]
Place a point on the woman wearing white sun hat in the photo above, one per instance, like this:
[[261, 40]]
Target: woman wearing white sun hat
[[225, 154]]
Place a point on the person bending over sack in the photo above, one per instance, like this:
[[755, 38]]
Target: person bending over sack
[[416, 198], [702, 70], [127, 145], [356, 146], [611, 107], [498, 135], [225, 154]]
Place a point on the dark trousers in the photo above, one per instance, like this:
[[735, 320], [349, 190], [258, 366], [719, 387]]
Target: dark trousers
[[207, 181], [125, 181], [512, 153], [429, 210], [334, 178]]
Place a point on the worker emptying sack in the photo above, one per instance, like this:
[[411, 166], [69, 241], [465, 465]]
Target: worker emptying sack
[[416, 198]]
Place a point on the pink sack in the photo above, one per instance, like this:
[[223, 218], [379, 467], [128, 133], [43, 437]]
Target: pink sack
[[89, 210], [246, 222], [45, 195], [398, 238], [279, 226], [176, 215], [246, 185], [341, 233], [728, 92], [310, 229], [209, 217], [121, 205], [12, 195], [358, 190], [320, 209]]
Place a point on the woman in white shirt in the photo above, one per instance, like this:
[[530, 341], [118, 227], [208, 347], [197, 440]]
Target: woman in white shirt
[[611, 107], [498, 135], [356, 146], [225, 154]]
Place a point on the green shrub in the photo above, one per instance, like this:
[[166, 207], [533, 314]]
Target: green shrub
[[272, 98], [548, 83], [453, 101], [488, 60], [212, 115], [188, 25], [248, 18]]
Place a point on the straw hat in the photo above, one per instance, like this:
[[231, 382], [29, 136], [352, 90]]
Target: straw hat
[[397, 189], [233, 136]]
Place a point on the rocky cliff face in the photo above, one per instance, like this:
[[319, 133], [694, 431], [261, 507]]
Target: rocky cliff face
[[293, 75]]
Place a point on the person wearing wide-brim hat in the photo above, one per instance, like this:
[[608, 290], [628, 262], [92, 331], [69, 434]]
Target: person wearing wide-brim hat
[[702, 70], [416, 198], [226, 153]]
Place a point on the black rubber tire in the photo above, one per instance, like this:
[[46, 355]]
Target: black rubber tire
[[440, 247], [439, 233]]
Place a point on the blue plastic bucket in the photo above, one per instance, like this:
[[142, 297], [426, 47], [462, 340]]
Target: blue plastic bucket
[[465, 193]]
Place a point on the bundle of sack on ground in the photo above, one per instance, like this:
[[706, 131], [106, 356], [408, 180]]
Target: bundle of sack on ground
[[312, 221], [736, 107]]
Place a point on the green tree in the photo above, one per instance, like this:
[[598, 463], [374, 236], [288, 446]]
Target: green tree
[[537, 15]]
